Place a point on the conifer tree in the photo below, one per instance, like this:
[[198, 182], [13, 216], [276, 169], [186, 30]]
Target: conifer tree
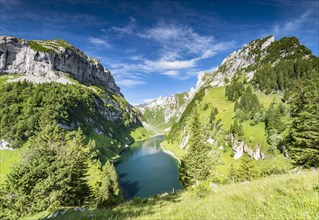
[[303, 138], [273, 119], [51, 174], [236, 129], [196, 164], [213, 114], [232, 176], [247, 169], [109, 191]]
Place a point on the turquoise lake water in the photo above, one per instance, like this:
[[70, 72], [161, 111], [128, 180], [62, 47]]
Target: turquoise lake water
[[145, 170]]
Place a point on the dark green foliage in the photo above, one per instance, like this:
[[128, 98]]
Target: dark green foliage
[[247, 170], [38, 47], [247, 106], [284, 75], [109, 191], [273, 118], [51, 174], [303, 139], [205, 107], [249, 103], [196, 163], [23, 105], [237, 129], [234, 90], [260, 116], [286, 46], [213, 114]]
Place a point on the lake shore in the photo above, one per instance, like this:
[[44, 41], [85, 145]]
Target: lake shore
[[170, 153]]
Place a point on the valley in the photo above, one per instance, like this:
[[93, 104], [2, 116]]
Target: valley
[[242, 143]]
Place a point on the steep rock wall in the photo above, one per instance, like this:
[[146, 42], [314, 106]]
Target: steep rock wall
[[53, 60]]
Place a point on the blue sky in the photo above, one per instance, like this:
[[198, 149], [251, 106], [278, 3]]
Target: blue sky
[[158, 47]]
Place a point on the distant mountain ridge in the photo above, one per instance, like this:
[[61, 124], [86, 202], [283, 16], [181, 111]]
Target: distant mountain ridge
[[163, 112]]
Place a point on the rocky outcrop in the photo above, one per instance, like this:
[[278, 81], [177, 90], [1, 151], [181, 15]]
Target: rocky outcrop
[[240, 147], [54, 60], [4, 145], [235, 62], [169, 108]]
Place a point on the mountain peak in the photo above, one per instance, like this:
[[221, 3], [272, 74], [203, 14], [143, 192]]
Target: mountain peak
[[52, 60], [253, 55]]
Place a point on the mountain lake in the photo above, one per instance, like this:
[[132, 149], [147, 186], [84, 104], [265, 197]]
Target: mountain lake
[[145, 169]]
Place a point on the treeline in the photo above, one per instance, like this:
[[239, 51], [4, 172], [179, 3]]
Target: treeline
[[23, 105], [284, 75]]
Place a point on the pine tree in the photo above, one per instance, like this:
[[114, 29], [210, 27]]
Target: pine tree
[[236, 129], [51, 174], [303, 138], [232, 175], [213, 114], [109, 192], [196, 164], [273, 119], [247, 169]]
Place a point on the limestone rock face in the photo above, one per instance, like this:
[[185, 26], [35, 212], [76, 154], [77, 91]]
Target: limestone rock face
[[4, 145], [169, 108], [240, 147], [53, 60], [236, 61]]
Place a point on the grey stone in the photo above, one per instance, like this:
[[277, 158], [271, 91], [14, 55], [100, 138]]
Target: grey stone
[[17, 57]]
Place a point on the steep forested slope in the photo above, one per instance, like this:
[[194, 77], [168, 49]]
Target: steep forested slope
[[63, 118], [245, 105]]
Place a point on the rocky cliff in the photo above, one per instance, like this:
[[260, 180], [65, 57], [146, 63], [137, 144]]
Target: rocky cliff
[[164, 111], [54, 60], [240, 147], [90, 98], [236, 61]]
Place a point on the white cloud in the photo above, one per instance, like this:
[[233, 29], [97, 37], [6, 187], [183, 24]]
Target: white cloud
[[98, 42], [130, 82], [171, 73], [137, 57], [178, 51], [292, 25], [183, 39], [165, 65]]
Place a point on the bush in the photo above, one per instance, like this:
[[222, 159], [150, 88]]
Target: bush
[[202, 189]]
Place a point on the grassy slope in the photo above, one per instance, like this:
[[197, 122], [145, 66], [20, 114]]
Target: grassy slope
[[7, 159], [141, 133], [216, 98], [289, 196]]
